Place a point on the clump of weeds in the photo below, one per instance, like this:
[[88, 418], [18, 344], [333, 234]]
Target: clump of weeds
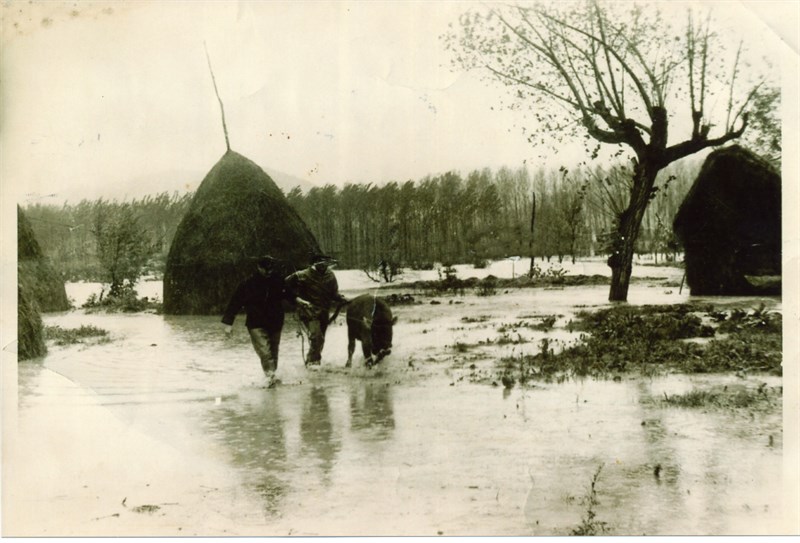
[[759, 319], [589, 524], [473, 320], [487, 286], [541, 366], [544, 323], [72, 336], [506, 338], [727, 397], [462, 348]]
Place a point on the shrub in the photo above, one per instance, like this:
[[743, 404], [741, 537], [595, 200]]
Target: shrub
[[126, 301], [487, 286]]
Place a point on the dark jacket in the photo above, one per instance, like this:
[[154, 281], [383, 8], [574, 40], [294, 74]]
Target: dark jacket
[[262, 298], [319, 288]]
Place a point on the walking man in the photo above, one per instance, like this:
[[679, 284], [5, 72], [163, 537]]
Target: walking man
[[317, 292], [262, 297]]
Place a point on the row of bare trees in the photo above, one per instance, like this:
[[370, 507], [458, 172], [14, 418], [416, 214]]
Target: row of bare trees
[[486, 215], [448, 219]]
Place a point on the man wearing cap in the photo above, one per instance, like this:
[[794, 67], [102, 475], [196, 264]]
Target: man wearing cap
[[317, 292], [262, 296]]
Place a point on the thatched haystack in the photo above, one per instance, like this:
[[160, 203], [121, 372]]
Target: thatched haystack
[[237, 214], [30, 331], [730, 224], [41, 281]]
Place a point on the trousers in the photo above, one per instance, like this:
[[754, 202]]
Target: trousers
[[316, 325], [266, 345]]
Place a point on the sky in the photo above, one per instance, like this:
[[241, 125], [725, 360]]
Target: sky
[[111, 99]]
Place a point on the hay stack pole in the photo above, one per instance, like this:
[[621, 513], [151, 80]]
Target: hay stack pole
[[216, 91], [237, 213]]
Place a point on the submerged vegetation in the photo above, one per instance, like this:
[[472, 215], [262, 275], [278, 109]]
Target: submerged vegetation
[[71, 336], [126, 300], [653, 339], [727, 397]]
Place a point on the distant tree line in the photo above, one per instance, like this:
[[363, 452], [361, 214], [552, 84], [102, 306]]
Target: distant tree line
[[486, 215], [448, 219], [109, 241]]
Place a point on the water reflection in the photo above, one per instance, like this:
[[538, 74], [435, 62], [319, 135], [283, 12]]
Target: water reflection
[[255, 437], [371, 411], [720, 473], [316, 431]]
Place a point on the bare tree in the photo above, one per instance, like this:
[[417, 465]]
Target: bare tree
[[609, 71]]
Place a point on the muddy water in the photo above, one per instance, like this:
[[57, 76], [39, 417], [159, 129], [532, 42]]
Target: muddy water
[[410, 448]]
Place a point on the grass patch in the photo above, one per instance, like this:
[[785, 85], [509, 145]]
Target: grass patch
[[725, 398], [71, 336], [655, 339]]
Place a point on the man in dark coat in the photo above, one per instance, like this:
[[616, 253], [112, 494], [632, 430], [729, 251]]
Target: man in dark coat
[[317, 293], [262, 297]]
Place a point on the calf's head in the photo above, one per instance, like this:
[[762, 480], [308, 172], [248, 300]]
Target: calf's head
[[381, 335]]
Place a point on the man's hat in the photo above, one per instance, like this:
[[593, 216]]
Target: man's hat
[[318, 257]]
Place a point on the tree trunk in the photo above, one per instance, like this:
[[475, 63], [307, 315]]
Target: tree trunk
[[530, 243], [630, 222]]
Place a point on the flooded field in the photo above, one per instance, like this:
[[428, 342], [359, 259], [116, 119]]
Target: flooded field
[[167, 429]]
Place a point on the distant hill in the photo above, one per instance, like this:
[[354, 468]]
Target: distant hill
[[287, 182], [180, 181]]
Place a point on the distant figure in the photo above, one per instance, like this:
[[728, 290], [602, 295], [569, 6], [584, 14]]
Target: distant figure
[[317, 293], [262, 297]]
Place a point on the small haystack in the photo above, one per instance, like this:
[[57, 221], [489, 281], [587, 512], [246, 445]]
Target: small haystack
[[30, 331], [730, 223], [35, 273], [237, 214]]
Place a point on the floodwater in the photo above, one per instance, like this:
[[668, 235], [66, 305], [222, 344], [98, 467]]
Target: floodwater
[[168, 430]]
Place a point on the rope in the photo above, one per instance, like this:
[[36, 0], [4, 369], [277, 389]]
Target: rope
[[301, 331]]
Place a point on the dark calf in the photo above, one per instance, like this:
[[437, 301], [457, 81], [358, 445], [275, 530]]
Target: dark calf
[[370, 321]]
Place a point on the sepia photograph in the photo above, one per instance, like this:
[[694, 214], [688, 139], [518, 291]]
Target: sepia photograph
[[348, 268]]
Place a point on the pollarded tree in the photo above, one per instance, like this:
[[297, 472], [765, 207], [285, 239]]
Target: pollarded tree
[[618, 74]]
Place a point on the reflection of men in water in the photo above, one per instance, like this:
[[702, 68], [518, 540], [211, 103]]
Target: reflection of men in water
[[317, 293], [261, 295], [373, 411], [252, 431], [316, 430]]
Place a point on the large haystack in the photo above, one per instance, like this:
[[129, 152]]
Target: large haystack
[[30, 331], [238, 213], [730, 223], [41, 281]]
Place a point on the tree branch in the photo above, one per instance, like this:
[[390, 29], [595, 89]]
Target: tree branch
[[636, 81], [622, 130], [728, 121], [616, 99], [691, 146]]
